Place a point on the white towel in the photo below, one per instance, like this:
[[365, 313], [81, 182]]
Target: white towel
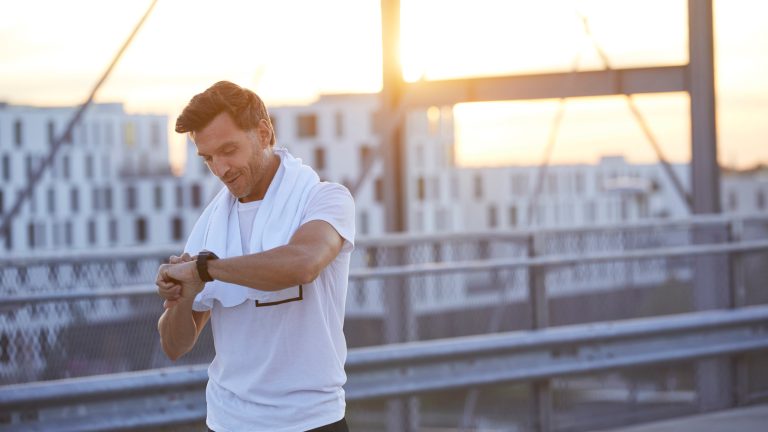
[[278, 217]]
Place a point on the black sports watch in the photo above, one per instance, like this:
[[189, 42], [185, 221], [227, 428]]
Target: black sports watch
[[202, 264]]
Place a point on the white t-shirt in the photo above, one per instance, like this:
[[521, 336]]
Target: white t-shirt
[[280, 368]]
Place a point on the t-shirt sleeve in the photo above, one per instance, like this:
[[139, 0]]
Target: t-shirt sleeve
[[332, 202]]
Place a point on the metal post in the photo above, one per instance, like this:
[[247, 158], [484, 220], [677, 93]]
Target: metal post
[[739, 286], [711, 285], [401, 412], [541, 391]]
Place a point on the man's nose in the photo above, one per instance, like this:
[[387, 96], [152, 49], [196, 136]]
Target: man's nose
[[219, 168]]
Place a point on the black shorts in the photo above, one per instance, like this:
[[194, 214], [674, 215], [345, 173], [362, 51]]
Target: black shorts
[[339, 426]]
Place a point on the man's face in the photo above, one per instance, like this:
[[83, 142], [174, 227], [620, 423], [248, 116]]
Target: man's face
[[238, 158]]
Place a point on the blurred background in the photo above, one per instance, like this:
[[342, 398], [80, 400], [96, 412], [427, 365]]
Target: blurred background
[[562, 206]]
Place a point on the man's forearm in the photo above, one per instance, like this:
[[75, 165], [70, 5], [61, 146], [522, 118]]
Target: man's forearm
[[178, 330], [272, 270]]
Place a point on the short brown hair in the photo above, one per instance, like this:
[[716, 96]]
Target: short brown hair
[[244, 106]]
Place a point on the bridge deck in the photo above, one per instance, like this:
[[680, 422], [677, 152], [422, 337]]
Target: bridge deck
[[749, 419]]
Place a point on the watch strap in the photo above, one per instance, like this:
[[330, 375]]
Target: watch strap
[[202, 265]]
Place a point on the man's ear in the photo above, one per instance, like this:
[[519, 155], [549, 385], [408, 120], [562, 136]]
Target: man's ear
[[264, 132]]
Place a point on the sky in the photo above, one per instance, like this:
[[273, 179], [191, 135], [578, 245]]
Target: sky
[[292, 51]]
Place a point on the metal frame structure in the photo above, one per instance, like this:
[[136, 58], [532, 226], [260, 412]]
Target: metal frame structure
[[696, 78]]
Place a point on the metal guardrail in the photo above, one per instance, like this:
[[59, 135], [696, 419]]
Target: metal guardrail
[[399, 239], [480, 279], [175, 395], [441, 268]]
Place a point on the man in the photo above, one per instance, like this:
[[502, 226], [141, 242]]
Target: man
[[270, 272]]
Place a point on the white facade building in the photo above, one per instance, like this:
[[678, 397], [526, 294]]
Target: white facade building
[[111, 185]]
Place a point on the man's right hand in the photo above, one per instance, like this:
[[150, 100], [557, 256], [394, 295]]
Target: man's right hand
[[171, 290]]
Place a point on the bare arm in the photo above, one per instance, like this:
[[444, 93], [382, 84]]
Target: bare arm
[[313, 246], [179, 326]]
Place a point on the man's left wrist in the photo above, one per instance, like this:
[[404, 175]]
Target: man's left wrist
[[203, 258]]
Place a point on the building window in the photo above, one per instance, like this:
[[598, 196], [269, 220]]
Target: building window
[[141, 230], [83, 133], [512, 216], [158, 197], [179, 196], [319, 158], [2, 204], [96, 133], [129, 134], [107, 198], [56, 235], [74, 200], [177, 231], [421, 189], [365, 156], [92, 232], [732, 201], [31, 235], [197, 196], [379, 190], [307, 125], [88, 166], [8, 235], [154, 138], [18, 131], [51, 201], [339, 124], [40, 235], [68, 235], [492, 217], [105, 173], [65, 167], [113, 230], [51, 133], [760, 200], [478, 186], [364, 223], [108, 134], [130, 198], [29, 162], [96, 198], [143, 164], [6, 167], [32, 202]]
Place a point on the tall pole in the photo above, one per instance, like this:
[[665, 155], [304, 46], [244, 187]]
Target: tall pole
[[402, 413], [711, 283], [705, 171]]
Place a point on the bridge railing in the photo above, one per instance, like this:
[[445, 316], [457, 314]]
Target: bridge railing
[[451, 286]]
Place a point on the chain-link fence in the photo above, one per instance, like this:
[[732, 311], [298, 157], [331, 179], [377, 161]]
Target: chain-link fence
[[97, 314]]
